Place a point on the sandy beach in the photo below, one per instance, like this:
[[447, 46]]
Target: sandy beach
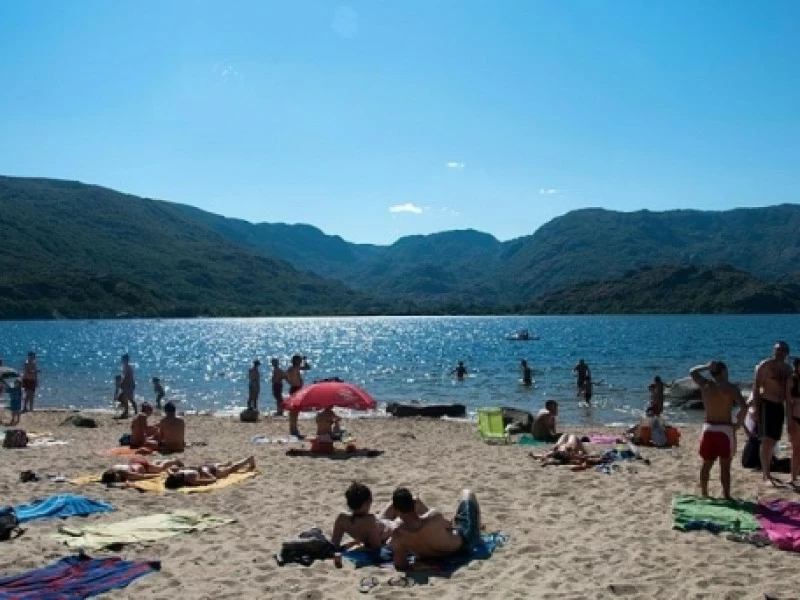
[[572, 534]]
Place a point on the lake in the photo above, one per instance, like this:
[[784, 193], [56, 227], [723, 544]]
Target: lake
[[203, 362]]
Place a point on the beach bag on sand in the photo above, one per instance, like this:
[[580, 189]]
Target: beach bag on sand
[[750, 455], [9, 523], [249, 415], [307, 547], [79, 421], [15, 438]]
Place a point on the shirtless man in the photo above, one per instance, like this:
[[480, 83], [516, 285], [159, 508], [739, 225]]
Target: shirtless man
[[295, 378], [171, 431], [460, 371], [769, 399], [527, 373], [253, 385], [158, 390], [127, 386], [430, 534], [30, 380], [142, 434], [544, 423], [277, 385], [581, 371], [718, 439]]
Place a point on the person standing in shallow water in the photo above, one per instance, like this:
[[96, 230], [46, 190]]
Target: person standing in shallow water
[[581, 371], [30, 381], [127, 386], [527, 373], [278, 375], [253, 385], [460, 371], [294, 376]]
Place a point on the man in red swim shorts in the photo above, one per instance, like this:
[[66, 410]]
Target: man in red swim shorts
[[718, 440]]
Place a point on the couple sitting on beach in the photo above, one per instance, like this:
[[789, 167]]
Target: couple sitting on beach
[[139, 469], [569, 450], [168, 436], [408, 526]]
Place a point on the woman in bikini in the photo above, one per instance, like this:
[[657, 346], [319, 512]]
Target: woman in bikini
[[137, 469], [568, 451], [793, 406], [207, 474]]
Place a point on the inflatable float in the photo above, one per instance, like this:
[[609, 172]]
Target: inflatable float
[[426, 410]]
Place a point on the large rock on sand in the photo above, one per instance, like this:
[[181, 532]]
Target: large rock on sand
[[685, 393]]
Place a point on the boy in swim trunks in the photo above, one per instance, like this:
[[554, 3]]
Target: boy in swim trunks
[[431, 535], [718, 440], [769, 399]]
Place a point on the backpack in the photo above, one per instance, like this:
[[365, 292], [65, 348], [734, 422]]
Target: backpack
[[15, 438], [307, 547], [9, 523]]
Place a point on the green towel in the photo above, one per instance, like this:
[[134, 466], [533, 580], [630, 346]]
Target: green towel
[[140, 529], [694, 512]]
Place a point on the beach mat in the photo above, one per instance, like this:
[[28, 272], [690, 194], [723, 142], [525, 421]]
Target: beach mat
[[74, 577], [157, 485], [61, 506], [443, 567], [338, 454], [127, 451], [715, 515], [780, 520], [140, 529], [602, 439]]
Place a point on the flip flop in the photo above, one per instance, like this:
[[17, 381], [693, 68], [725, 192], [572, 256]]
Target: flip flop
[[401, 581], [367, 583]]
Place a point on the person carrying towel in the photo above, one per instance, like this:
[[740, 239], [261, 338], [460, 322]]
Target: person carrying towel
[[718, 438]]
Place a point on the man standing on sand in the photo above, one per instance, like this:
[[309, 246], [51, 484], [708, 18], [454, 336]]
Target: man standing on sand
[[30, 381], [718, 437], [295, 378], [253, 385], [581, 371], [769, 400], [127, 386], [277, 385], [431, 535]]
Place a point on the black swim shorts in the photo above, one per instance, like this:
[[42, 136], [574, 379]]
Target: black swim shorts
[[772, 418], [467, 522]]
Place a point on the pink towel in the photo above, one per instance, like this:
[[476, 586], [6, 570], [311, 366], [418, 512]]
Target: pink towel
[[781, 522], [600, 438]]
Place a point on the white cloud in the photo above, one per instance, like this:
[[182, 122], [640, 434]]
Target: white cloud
[[455, 165], [548, 191], [408, 207]]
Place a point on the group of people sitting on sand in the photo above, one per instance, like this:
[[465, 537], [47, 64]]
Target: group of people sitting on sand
[[168, 436], [177, 475], [408, 526]]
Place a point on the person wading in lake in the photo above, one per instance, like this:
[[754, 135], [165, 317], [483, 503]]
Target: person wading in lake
[[769, 400], [253, 385], [581, 371], [127, 386], [527, 373], [294, 375], [718, 437], [278, 376], [30, 381]]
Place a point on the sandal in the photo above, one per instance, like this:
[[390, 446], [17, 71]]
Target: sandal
[[367, 583], [401, 581]]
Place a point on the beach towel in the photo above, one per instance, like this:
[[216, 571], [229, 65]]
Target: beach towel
[[265, 439], [61, 506], [127, 451], [74, 577], [158, 486], [715, 515], [444, 566], [47, 441], [601, 438], [86, 479], [141, 529], [780, 520], [338, 454]]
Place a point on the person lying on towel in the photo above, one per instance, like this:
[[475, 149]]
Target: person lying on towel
[[363, 526], [430, 534], [207, 474], [568, 451], [137, 469]]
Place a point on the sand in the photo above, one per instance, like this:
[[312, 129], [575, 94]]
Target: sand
[[573, 535]]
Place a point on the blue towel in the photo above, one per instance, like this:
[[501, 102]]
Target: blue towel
[[74, 577], [444, 566], [61, 506]]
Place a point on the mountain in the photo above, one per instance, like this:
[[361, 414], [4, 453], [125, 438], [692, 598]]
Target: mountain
[[672, 289], [77, 250]]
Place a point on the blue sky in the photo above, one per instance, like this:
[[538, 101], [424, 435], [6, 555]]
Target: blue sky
[[377, 119]]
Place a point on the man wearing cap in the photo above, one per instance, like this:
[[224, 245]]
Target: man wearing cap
[[254, 385], [769, 401]]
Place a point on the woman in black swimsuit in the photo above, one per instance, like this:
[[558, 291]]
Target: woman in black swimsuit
[[793, 397]]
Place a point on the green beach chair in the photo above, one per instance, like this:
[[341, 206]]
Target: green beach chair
[[491, 426]]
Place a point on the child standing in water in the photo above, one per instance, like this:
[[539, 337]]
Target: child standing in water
[[158, 390]]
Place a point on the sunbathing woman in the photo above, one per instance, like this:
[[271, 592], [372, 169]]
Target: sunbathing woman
[[137, 469], [568, 451], [207, 474]]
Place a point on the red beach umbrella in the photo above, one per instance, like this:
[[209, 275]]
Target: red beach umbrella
[[330, 394]]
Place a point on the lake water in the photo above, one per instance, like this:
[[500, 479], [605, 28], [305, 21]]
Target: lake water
[[204, 362]]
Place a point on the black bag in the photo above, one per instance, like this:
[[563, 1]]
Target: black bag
[[15, 438], [79, 421], [9, 523], [307, 547], [750, 455]]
